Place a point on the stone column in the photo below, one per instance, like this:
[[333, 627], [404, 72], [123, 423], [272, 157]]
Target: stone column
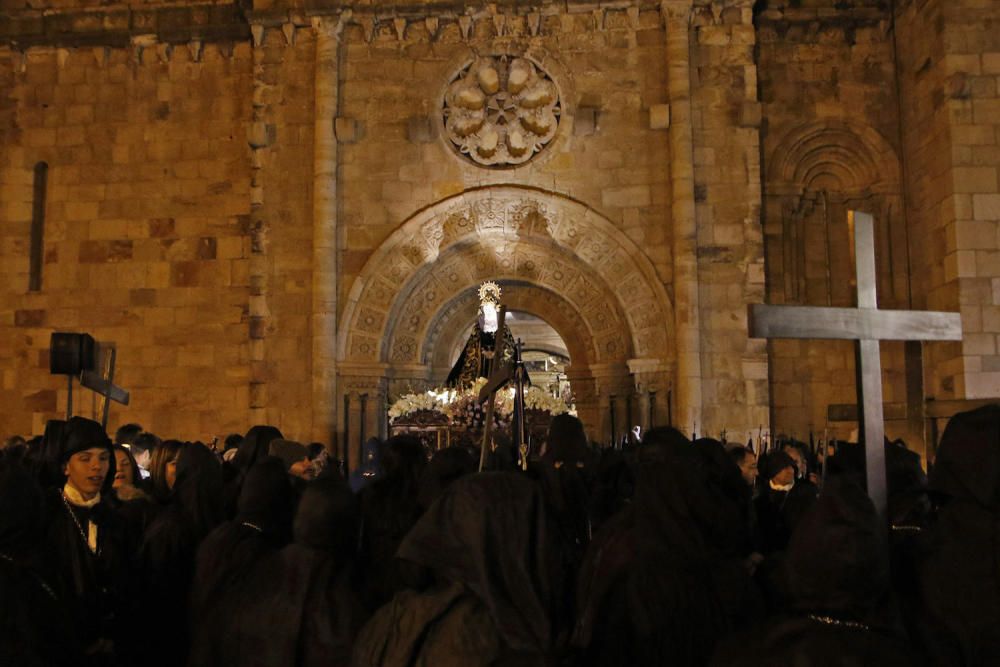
[[325, 283], [587, 405], [677, 16], [610, 380], [261, 136], [354, 381], [650, 376]]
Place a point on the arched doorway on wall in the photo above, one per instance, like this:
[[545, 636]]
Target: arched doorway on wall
[[556, 260]]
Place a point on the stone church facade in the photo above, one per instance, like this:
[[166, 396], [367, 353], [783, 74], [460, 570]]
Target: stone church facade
[[280, 211]]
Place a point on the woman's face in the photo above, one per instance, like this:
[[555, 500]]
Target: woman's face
[[86, 470], [171, 473], [123, 470]]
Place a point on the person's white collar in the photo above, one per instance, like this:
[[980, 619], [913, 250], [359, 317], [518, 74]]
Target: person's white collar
[[781, 487], [76, 498]]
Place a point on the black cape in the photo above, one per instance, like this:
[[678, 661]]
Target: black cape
[[501, 589]]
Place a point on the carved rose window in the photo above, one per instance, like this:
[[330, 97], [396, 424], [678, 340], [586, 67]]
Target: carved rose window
[[501, 111]]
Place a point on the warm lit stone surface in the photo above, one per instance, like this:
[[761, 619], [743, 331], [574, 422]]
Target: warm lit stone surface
[[267, 210]]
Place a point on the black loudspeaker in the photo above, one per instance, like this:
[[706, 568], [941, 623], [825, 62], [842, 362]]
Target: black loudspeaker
[[71, 353]]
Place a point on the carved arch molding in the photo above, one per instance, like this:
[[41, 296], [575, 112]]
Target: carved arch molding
[[562, 257], [817, 172]]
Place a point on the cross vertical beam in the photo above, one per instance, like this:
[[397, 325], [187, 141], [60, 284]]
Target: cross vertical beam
[[869, 363]]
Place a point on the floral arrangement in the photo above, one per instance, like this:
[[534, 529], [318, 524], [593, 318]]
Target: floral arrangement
[[463, 409], [414, 403]]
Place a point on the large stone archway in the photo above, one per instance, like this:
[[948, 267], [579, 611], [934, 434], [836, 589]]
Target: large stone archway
[[557, 258]]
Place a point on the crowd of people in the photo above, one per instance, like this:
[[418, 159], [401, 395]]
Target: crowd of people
[[261, 552]]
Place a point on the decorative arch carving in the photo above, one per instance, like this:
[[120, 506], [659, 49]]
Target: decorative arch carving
[[450, 326], [816, 172], [515, 234], [834, 154]]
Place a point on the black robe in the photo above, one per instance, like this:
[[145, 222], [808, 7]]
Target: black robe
[[93, 585], [836, 578], [167, 556], [390, 507], [960, 576], [298, 607], [501, 591], [667, 579], [229, 556], [35, 627]]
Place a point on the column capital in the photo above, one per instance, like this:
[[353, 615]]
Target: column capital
[[333, 25], [676, 11]]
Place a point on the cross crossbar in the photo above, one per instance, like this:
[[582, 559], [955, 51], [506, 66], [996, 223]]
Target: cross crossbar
[[817, 322], [105, 387]]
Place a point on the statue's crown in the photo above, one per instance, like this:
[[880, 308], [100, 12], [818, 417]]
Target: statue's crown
[[489, 292]]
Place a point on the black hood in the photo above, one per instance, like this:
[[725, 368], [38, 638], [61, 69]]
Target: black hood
[[327, 518], [267, 498], [968, 461], [836, 562], [491, 532], [255, 446]]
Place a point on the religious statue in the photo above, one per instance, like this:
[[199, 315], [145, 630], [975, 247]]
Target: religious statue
[[477, 358]]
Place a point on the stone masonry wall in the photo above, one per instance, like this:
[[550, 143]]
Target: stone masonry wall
[[727, 204], [281, 277], [146, 231], [611, 73]]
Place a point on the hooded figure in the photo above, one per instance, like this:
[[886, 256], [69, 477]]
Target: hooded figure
[[500, 592], [836, 578], [34, 626], [389, 508], [960, 577], [565, 476], [445, 467], [168, 551], [370, 469], [84, 538], [666, 578], [299, 609], [48, 463], [228, 556], [782, 501], [255, 446]]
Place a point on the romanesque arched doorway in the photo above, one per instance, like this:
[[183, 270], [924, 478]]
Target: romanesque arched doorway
[[556, 259]]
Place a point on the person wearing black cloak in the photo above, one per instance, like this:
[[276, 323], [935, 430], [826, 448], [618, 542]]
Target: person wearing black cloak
[[445, 467], [299, 607], [47, 463], [499, 593], [255, 446], [836, 578], [960, 575], [564, 474], [167, 556], [781, 502], [85, 540], [389, 508], [227, 558], [664, 580], [35, 630]]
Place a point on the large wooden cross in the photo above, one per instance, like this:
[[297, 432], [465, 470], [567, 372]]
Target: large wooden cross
[[866, 325]]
